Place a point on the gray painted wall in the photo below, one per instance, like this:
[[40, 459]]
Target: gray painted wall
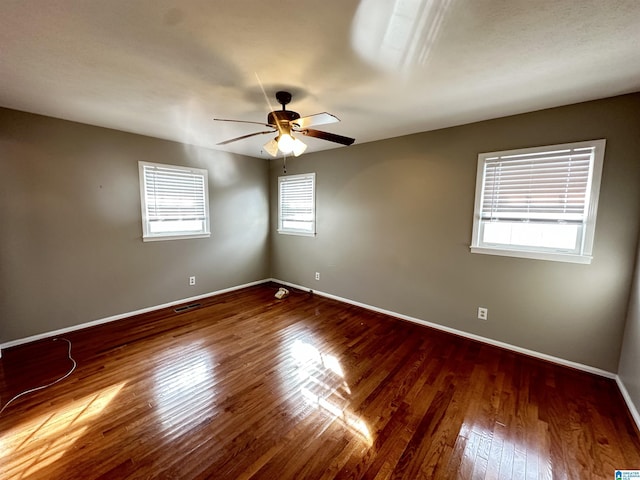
[[629, 368], [70, 242], [394, 222]]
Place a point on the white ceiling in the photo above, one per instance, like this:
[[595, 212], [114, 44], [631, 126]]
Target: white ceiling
[[386, 68]]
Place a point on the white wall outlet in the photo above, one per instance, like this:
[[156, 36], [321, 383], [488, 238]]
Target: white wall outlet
[[482, 313], [192, 280], [317, 275]]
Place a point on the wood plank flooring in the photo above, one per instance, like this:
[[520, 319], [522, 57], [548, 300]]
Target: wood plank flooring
[[249, 387]]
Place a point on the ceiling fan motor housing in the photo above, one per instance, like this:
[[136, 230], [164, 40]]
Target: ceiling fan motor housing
[[283, 97], [282, 117]]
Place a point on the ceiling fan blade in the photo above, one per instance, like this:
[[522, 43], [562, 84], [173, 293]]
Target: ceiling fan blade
[[242, 121], [331, 137], [313, 120], [245, 136]]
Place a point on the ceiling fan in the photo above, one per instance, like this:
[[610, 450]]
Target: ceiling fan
[[286, 123]]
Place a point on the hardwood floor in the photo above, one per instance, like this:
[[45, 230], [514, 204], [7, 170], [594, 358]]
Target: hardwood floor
[[249, 387]]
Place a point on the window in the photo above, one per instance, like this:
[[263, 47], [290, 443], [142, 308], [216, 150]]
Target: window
[[175, 202], [538, 202], [297, 204]]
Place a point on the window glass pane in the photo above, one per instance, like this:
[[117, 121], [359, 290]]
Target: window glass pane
[[553, 236], [176, 226], [300, 225]]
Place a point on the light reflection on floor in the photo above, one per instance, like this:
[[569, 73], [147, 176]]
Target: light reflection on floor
[[31, 446], [323, 387], [183, 381], [503, 452]]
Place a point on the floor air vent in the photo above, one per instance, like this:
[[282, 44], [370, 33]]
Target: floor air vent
[[187, 307]]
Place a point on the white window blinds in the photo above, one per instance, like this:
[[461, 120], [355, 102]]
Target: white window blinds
[[296, 204], [538, 202], [550, 186], [174, 201]]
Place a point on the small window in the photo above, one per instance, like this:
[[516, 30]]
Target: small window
[[538, 202], [297, 204], [175, 202]]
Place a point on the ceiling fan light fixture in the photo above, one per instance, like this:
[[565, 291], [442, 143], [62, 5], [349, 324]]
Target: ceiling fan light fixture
[[291, 145], [271, 147]]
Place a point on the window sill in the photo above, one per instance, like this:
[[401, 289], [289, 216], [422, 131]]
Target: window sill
[[174, 237], [299, 234], [554, 257]]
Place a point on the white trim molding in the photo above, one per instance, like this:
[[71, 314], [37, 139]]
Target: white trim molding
[[633, 410], [627, 398], [120, 316], [550, 358], [461, 333]]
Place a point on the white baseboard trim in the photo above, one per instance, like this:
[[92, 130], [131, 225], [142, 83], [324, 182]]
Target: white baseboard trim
[[560, 361], [627, 398], [461, 333], [543, 356], [120, 316]]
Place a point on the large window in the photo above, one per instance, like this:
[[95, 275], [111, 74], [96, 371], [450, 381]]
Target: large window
[[538, 202], [175, 202], [297, 204]]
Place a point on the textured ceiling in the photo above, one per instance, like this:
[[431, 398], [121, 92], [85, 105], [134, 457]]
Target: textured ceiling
[[385, 68]]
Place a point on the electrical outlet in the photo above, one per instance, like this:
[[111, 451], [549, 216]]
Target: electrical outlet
[[192, 280], [482, 313], [317, 275]]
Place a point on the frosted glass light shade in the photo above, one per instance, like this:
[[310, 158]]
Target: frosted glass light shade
[[298, 147], [286, 143], [271, 147]]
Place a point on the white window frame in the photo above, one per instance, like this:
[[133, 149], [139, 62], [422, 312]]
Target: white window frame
[[582, 253], [282, 215], [188, 223]]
